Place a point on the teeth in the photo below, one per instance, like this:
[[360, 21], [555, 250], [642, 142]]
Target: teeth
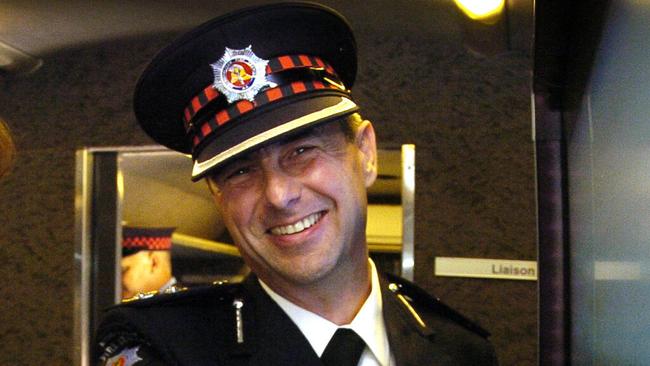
[[297, 226]]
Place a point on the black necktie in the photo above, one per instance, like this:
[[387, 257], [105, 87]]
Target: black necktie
[[344, 349]]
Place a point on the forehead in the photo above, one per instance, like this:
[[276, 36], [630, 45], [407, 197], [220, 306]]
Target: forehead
[[325, 132]]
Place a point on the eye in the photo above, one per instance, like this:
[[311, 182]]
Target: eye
[[237, 172], [300, 154], [302, 150]]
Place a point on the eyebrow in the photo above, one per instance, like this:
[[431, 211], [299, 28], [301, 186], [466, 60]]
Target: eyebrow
[[309, 132], [314, 131]]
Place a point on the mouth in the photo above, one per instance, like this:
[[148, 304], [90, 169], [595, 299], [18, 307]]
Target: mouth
[[298, 226]]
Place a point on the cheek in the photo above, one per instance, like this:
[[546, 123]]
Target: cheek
[[327, 173], [338, 179], [127, 278], [234, 211], [237, 211]]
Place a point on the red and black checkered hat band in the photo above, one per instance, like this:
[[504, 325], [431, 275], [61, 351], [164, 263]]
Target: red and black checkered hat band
[[149, 243], [242, 107], [275, 65], [145, 238]]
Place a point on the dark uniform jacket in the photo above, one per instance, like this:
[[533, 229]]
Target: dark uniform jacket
[[204, 327]]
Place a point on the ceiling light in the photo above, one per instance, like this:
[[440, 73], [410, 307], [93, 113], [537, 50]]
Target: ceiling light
[[486, 11]]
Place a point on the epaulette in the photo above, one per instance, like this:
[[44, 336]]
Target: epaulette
[[416, 296], [222, 290]]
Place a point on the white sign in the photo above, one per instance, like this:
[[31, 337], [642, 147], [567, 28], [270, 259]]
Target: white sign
[[486, 268]]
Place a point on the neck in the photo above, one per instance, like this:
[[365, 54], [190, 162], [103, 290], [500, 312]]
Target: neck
[[336, 297]]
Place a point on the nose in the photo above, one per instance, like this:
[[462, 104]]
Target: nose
[[281, 190]]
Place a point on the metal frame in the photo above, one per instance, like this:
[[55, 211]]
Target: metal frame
[[82, 261], [86, 290], [408, 211]]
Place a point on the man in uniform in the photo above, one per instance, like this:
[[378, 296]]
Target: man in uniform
[[146, 261], [261, 100]]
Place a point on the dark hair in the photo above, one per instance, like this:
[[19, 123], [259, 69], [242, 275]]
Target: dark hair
[[349, 125]]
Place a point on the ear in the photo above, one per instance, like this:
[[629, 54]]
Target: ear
[[154, 261], [367, 145]]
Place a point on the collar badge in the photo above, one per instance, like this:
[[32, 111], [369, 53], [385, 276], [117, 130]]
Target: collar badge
[[240, 74]]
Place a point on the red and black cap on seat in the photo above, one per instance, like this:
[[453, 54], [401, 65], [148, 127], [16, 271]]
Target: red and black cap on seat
[[135, 239], [246, 78]]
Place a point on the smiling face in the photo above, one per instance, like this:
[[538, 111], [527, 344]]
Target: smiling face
[[297, 208]]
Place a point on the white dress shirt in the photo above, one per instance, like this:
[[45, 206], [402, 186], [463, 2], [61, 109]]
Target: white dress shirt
[[368, 324]]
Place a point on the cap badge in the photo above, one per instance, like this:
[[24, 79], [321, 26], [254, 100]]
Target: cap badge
[[240, 74]]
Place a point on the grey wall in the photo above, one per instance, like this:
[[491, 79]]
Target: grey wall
[[468, 115]]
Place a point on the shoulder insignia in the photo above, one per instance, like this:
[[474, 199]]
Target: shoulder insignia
[[145, 295], [409, 294], [421, 326], [222, 290], [140, 296], [126, 357], [115, 343]]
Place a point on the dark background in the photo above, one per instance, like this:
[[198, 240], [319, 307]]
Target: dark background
[[468, 113]]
